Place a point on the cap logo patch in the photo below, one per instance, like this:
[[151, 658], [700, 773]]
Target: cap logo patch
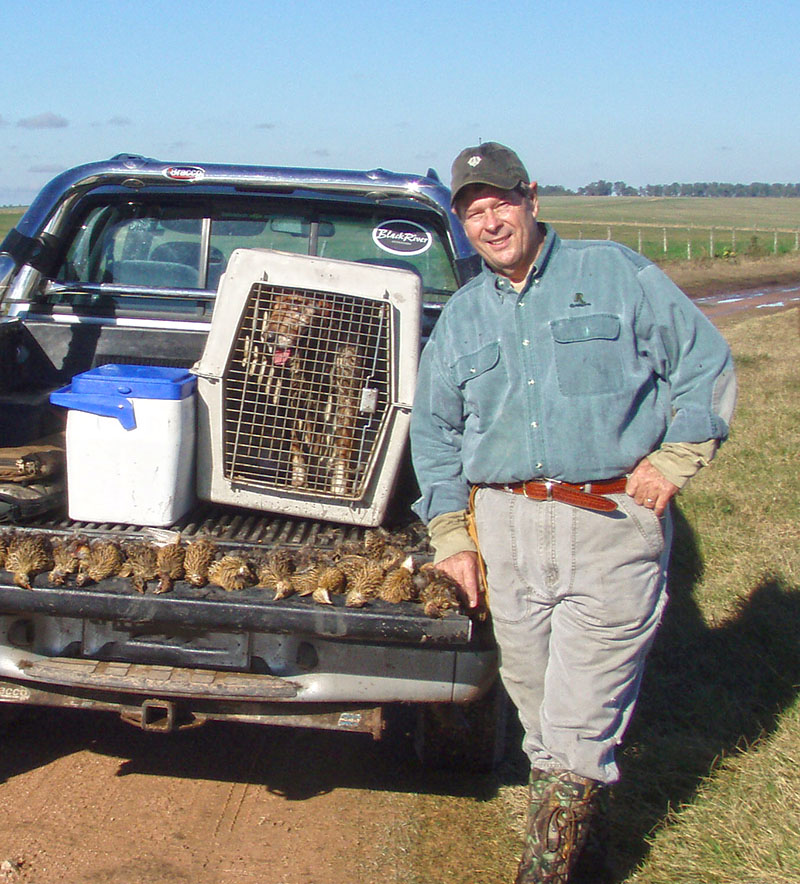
[[473, 161]]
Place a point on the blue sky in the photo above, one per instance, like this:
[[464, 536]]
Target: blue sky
[[635, 91]]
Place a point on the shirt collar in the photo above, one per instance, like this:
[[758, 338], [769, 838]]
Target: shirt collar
[[503, 286]]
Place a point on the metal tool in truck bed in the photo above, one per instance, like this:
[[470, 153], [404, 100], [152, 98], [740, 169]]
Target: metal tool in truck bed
[[121, 262]]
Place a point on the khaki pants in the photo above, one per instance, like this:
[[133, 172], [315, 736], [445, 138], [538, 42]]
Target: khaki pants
[[576, 597]]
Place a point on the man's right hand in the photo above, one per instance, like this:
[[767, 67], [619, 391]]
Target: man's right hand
[[463, 568]]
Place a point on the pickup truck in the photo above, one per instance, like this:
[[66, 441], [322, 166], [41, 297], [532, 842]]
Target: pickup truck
[[120, 262]]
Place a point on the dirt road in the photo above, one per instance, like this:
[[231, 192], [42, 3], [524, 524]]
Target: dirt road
[[86, 799], [771, 298]]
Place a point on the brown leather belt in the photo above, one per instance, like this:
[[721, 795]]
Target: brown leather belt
[[589, 495]]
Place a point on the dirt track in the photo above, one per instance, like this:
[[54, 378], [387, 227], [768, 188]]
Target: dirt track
[[86, 799]]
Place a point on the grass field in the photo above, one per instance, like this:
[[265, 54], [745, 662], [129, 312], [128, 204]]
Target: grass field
[[8, 218], [710, 789], [760, 212], [673, 228]]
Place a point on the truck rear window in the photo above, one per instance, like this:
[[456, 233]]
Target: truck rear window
[[128, 248]]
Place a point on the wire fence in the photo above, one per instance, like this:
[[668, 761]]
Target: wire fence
[[661, 242]]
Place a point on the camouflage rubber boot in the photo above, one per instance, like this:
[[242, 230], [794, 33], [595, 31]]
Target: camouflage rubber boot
[[561, 807]]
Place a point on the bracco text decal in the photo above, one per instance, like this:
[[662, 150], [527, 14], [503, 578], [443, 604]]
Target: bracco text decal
[[184, 173]]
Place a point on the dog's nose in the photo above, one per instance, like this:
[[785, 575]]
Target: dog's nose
[[270, 337]]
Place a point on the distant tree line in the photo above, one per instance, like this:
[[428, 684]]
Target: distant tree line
[[698, 188]]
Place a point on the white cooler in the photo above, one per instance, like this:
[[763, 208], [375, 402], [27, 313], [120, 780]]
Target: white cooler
[[130, 444]]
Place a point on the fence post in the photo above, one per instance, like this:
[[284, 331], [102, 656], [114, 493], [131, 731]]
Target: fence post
[[733, 239], [797, 240], [689, 244], [608, 231], [665, 240], [639, 250], [711, 243], [775, 242]]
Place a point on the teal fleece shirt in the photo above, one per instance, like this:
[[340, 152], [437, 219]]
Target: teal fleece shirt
[[599, 360]]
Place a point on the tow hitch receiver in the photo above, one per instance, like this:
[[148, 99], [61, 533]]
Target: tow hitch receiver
[[159, 715]]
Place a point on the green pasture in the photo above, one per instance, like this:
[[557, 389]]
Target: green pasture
[[8, 218], [755, 212], [677, 228]]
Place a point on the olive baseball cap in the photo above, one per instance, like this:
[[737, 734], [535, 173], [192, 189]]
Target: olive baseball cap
[[489, 163]]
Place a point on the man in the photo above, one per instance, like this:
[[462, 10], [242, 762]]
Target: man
[[573, 389]]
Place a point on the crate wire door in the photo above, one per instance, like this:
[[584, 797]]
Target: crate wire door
[[306, 391], [305, 385]]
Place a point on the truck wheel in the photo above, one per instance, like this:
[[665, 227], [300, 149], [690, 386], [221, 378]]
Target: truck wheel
[[469, 736]]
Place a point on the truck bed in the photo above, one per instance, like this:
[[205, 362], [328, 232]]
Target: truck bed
[[210, 607]]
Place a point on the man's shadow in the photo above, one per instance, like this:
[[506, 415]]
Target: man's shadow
[[707, 691]]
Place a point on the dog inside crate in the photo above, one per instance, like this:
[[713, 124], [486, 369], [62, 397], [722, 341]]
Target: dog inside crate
[[307, 385]]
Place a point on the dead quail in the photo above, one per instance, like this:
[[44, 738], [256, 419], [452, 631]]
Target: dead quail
[[5, 537], [426, 572], [231, 573], [169, 559], [104, 559], [351, 565], [141, 564], [348, 548], [331, 580], [375, 542], [306, 581], [27, 555], [391, 557], [199, 556], [398, 585], [275, 573], [440, 595], [65, 559], [364, 585]]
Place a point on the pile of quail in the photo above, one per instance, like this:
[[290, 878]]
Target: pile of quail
[[363, 571]]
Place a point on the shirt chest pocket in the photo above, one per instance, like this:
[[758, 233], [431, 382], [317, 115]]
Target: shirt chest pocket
[[482, 379], [587, 354]]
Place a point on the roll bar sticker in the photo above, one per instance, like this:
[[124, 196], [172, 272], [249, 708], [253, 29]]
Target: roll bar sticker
[[184, 173]]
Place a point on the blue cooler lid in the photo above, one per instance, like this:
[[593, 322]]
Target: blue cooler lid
[[108, 389]]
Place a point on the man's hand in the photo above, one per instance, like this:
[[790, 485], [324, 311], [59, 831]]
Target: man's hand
[[463, 568], [649, 488]]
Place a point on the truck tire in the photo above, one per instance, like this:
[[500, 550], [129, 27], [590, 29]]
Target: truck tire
[[469, 737]]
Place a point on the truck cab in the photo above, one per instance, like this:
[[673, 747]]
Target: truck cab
[[120, 263]]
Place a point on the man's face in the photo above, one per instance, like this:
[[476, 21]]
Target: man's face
[[501, 225]]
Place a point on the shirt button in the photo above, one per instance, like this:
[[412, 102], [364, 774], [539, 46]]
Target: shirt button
[[525, 343], [531, 382], [539, 466], [534, 424]]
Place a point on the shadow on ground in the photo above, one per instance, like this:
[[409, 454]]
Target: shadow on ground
[[707, 691]]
